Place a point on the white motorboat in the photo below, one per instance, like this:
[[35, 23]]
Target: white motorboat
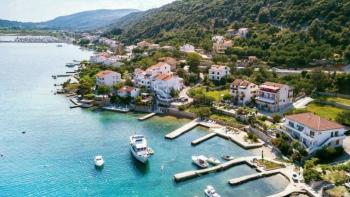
[[200, 161], [228, 158], [210, 192], [99, 162], [138, 148], [214, 161]]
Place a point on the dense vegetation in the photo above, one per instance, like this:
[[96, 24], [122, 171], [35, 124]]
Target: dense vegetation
[[291, 33]]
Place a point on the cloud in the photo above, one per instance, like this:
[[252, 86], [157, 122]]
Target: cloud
[[42, 10]]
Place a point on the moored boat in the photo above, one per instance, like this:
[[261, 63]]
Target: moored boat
[[214, 161], [200, 161], [227, 157], [138, 148], [99, 162], [210, 192]]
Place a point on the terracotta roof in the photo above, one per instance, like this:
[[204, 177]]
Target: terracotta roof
[[158, 65], [105, 72], [218, 67], [164, 77], [240, 82], [126, 89], [314, 122]]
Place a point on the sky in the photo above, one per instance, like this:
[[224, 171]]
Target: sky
[[43, 10]]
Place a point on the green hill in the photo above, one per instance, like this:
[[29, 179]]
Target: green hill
[[294, 33]]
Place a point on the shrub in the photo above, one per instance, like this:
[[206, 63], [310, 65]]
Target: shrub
[[276, 118], [328, 153]]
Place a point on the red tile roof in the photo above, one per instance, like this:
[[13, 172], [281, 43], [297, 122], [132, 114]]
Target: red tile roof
[[158, 65], [105, 72], [164, 77], [314, 122], [126, 89]]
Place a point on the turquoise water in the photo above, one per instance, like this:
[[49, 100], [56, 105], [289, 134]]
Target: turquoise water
[[55, 155]]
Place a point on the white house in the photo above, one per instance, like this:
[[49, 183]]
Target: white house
[[167, 82], [313, 131], [243, 32], [144, 78], [274, 96], [187, 48], [108, 78], [128, 91], [217, 72], [99, 58], [243, 91]]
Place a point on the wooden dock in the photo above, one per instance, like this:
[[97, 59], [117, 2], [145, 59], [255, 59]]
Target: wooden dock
[[182, 130], [147, 116], [247, 178], [202, 139], [196, 173]]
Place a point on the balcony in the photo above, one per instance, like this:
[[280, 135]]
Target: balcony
[[266, 100]]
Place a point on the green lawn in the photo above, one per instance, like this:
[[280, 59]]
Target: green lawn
[[215, 94], [325, 111], [336, 100], [268, 165], [228, 120]]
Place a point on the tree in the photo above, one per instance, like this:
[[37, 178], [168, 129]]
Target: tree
[[103, 89], [85, 85], [276, 118], [202, 112], [344, 118], [347, 54], [310, 173], [193, 60]]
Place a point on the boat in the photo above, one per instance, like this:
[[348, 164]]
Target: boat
[[70, 65], [200, 161], [59, 45], [210, 192], [214, 161], [138, 148], [99, 162], [227, 157], [150, 151]]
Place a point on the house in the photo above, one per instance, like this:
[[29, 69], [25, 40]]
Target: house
[[154, 47], [221, 46], [187, 48], [313, 131], [243, 32], [99, 58], [169, 60], [144, 78], [128, 91], [143, 44], [217, 72], [231, 32], [108, 78], [243, 91], [274, 97], [167, 82]]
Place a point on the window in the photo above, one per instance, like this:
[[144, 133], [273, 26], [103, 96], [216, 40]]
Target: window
[[312, 133], [336, 133], [291, 124], [337, 142]]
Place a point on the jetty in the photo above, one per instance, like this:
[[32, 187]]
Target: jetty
[[221, 167], [183, 129], [251, 177], [202, 139], [147, 116]]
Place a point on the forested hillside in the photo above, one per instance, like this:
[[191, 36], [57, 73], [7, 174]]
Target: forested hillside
[[293, 33]]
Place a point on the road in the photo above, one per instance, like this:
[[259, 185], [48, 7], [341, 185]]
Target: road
[[301, 104]]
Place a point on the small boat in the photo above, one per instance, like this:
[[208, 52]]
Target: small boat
[[227, 157], [214, 161], [99, 162], [200, 161], [59, 45], [150, 151], [210, 192], [138, 148], [70, 65]]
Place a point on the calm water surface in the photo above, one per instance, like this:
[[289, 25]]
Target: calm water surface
[[55, 155]]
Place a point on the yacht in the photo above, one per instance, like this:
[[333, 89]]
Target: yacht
[[138, 148], [228, 157], [200, 161], [210, 192], [99, 162]]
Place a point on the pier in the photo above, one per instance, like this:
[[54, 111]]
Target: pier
[[147, 116], [224, 166], [202, 139], [182, 129], [251, 177]]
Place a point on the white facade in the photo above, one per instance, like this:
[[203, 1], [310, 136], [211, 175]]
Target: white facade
[[187, 48], [167, 82], [313, 131], [108, 78], [144, 78], [243, 91], [216, 72], [243, 32], [273, 96]]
